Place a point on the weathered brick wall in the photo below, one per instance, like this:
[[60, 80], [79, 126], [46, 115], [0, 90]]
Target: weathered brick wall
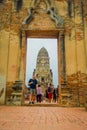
[[4, 47]]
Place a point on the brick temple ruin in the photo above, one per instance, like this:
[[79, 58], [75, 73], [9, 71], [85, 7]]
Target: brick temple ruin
[[65, 20]]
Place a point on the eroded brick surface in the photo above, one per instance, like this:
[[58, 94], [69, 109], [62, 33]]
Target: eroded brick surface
[[42, 118]]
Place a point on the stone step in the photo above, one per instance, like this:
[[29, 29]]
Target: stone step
[[42, 105]]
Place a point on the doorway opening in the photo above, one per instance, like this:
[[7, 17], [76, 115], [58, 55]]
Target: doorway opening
[[36, 61]]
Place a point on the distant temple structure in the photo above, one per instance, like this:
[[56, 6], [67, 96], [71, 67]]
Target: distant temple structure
[[43, 72]]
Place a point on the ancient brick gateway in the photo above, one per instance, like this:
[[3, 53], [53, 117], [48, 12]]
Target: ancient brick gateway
[[65, 20]]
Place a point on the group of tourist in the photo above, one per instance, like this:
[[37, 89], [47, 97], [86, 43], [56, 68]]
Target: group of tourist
[[36, 93]]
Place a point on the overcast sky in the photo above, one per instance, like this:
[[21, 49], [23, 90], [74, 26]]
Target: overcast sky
[[33, 47]]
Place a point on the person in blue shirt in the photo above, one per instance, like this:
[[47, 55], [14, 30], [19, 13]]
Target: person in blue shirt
[[32, 84]]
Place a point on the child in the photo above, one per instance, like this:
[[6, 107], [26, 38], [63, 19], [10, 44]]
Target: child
[[39, 93]]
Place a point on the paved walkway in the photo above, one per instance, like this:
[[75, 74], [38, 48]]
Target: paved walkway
[[42, 118]]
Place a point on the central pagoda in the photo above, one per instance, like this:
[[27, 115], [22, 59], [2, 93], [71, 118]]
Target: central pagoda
[[43, 72]]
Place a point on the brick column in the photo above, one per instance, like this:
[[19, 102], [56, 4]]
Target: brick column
[[62, 56], [22, 56], [22, 61]]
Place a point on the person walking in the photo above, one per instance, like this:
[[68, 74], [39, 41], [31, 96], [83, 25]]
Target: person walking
[[39, 93], [54, 95], [32, 84], [49, 91]]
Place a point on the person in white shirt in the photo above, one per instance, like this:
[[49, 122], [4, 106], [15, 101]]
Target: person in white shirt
[[39, 93]]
